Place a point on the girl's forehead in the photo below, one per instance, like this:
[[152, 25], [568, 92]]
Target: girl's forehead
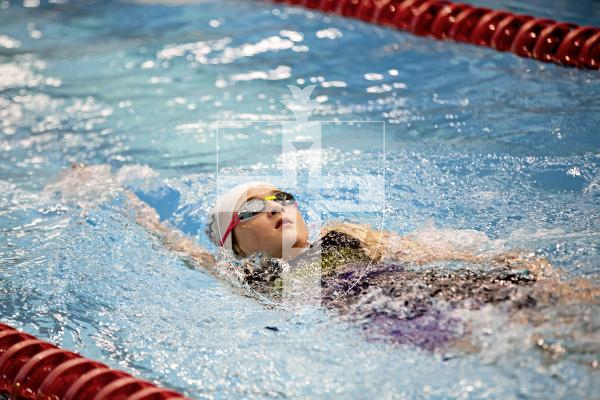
[[259, 192]]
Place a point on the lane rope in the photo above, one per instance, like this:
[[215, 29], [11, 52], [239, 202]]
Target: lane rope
[[34, 369], [524, 35]]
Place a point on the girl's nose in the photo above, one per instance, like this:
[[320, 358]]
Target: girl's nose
[[274, 208]]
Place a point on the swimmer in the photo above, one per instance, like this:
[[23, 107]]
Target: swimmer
[[258, 218], [389, 283]]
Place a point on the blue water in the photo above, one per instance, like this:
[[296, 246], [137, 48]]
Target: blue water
[[474, 140]]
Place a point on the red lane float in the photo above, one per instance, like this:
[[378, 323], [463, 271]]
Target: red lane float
[[543, 39], [32, 369]]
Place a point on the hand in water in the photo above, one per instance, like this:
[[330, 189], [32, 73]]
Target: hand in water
[[83, 185], [90, 185]]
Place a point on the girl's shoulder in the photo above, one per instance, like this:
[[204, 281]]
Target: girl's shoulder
[[362, 236], [336, 238], [333, 248], [337, 244]]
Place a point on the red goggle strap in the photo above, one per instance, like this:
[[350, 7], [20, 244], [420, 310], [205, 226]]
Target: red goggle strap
[[234, 221]]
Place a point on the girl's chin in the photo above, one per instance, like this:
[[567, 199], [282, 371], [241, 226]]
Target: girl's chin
[[292, 252], [289, 237]]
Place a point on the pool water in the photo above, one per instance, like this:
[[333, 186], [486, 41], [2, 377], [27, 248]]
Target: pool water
[[483, 149]]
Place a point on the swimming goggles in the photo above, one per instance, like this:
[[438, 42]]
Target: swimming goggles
[[253, 207]]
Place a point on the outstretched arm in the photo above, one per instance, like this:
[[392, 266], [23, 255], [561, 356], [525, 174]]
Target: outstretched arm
[[90, 185], [171, 237]]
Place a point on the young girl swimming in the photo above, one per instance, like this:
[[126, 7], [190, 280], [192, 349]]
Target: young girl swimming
[[391, 285]]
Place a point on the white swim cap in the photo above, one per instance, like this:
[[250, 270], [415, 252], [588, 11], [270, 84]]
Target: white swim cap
[[220, 215]]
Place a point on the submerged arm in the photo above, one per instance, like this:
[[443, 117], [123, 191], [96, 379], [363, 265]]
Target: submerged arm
[[390, 246], [411, 248], [384, 245]]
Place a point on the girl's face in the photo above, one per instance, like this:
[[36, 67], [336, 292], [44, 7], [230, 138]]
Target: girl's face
[[279, 231]]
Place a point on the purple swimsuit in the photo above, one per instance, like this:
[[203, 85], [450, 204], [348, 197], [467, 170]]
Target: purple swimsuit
[[401, 303]]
